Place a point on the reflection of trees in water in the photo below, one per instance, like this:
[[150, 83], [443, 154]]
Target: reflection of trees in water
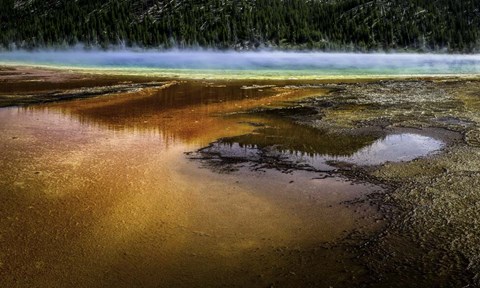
[[187, 111], [290, 137]]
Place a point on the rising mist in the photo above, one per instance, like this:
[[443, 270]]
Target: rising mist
[[313, 62]]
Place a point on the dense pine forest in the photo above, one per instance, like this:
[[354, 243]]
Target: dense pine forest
[[341, 25]]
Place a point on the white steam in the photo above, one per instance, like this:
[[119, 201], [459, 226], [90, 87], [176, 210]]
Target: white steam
[[323, 63]]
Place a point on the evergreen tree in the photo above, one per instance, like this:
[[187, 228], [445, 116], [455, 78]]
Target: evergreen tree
[[350, 25]]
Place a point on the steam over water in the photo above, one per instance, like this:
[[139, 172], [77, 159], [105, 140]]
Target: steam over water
[[291, 63]]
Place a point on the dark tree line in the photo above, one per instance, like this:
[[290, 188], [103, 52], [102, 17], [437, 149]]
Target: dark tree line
[[350, 25]]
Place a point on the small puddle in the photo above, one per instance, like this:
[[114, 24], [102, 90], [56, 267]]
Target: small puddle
[[299, 146], [394, 148]]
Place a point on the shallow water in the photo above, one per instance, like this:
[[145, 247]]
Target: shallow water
[[307, 147], [394, 148], [99, 192]]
